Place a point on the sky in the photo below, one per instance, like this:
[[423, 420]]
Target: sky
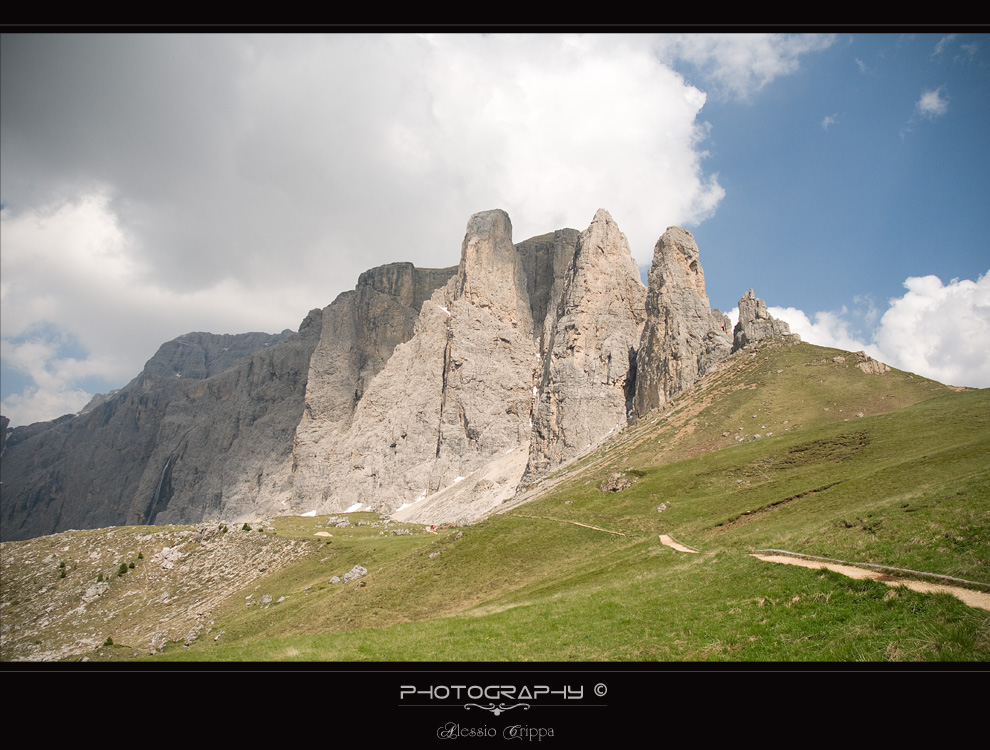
[[157, 184]]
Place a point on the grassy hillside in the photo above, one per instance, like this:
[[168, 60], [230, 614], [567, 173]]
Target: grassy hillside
[[786, 447]]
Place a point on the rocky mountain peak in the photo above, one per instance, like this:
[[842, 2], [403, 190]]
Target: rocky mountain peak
[[684, 337], [200, 355], [755, 323], [586, 385], [429, 393], [490, 275], [680, 265]]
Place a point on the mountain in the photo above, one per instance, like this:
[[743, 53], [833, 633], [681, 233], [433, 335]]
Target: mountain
[[198, 431], [434, 394]]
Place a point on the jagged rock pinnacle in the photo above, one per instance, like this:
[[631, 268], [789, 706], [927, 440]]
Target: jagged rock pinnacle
[[755, 323], [586, 385], [683, 337]]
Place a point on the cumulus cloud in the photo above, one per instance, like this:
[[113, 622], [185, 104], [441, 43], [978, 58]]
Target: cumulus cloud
[[52, 392], [77, 305], [154, 185], [932, 104], [940, 331], [830, 120], [828, 328]]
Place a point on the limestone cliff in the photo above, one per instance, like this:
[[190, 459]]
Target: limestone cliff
[[360, 331], [683, 337], [587, 380], [454, 396], [525, 359], [167, 447], [546, 260], [430, 393]]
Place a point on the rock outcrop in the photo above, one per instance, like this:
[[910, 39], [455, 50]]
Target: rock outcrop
[[684, 338], [869, 365], [756, 324], [587, 381]]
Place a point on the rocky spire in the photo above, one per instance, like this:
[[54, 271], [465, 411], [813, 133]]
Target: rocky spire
[[586, 385], [490, 275], [683, 337], [755, 323]]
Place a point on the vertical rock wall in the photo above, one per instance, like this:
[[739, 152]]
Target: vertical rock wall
[[587, 377], [683, 337], [519, 359]]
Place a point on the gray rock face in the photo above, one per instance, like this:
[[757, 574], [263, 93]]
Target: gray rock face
[[224, 448], [546, 261], [454, 396], [755, 323], [587, 380], [525, 358], [683, 338], [199, 356], [359, 334], [164, 449]]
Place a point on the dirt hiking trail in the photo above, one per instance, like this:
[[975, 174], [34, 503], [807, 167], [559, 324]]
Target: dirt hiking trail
[[967, 596]]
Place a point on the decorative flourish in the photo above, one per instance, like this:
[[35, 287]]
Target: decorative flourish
[[500, 708]]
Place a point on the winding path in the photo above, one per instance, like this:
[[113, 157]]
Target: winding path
[[967, 596]]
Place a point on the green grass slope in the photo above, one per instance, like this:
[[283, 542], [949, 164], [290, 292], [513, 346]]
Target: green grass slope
[[785, 447]]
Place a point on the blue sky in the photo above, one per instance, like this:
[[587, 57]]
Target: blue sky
[[835, 173], [153, 185]]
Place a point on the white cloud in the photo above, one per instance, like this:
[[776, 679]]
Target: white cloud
[[942, 43], [739, 65], [53, 393], [71, 282], [160, 184], [940, 331], [970, 51], [831, 329], [830, 120], [932, 104]]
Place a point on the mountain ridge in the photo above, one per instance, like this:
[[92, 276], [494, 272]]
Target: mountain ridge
[[391, 394]]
